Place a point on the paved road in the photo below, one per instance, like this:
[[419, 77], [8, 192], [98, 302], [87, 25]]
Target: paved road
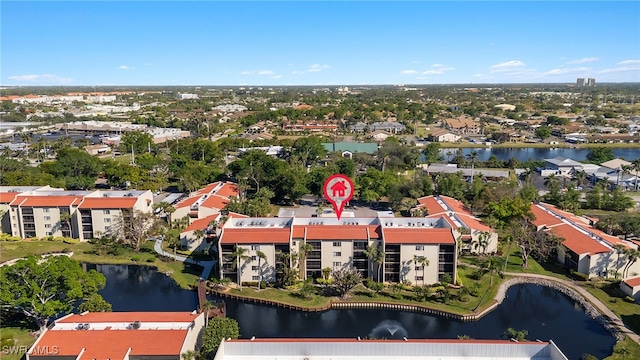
[[207, 265]]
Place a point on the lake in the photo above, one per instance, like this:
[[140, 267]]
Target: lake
[[526, 154], [545, 313]]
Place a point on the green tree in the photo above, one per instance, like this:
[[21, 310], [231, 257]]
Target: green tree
[[345, 279], [218, 329], [375, 256], [308, 149], [532, 243], [423, 262], [432, 153], [239, 257], [42, 289], [78, 169], [543, 132], [261, 257], [492, 266], [598, 155], [133, 228], [138, 141], [95, 303]]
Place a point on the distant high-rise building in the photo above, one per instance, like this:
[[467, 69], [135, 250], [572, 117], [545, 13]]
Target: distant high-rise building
[[580, 82], [591, 82]]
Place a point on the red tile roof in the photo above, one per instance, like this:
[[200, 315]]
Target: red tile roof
[[208, 189], [130, 316], [256, 236], [543, 218], [187, 202], [215, 202], [473, 223], [456, 205], [418, 236], [633, 282], [336, 232], [201, 224], [108, 203], [228, 189], [432, 205], [47, 201], [7, 197], [375, 231], [112, 344], [298, 232], [577, 241]]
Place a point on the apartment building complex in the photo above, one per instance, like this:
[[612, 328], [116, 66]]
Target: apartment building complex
[[584, 248], [337, 244], [33, 211], [119, 335], [205, 202], [472, 235]]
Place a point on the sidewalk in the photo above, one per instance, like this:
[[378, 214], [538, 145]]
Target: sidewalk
[[207, 265]]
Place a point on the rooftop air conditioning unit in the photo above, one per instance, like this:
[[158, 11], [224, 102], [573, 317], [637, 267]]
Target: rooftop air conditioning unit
[[135, 325]]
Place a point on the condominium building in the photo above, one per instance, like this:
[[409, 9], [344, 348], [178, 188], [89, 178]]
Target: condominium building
[[472, 235], [407, 349], [207, 201], [34, 212], [416, 250], [119, 335], [584, 248], [580, 82]]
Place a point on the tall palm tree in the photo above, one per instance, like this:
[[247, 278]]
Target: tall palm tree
[[240, 255], [424, 262], [65, 217], [632, 257], [261, 256], [581, 178], [492, 265], [620, 250], [305, 249], [472, 156], [199, 234], [375, 255], [636, 168], [482, 242]]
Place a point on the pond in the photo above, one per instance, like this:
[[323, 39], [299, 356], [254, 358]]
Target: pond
[[545, 313]]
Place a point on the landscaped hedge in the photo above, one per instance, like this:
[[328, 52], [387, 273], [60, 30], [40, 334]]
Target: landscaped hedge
[[579, 276], [9, 237]]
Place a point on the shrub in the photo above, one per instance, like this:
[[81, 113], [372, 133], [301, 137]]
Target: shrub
[[447, 279], [135, 258], [71, 241], [151, 259], [629, 299], [9, 237], [66, 250], [58, 239], [263, 284], [579, 276]]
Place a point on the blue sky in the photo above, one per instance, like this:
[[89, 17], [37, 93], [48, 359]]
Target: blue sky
[[317, 43]]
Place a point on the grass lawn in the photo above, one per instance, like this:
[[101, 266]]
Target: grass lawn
[[17, 337], [185, 275], [627, 349], [609, 293], [282, 296]]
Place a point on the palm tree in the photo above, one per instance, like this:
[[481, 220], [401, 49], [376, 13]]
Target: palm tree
[[624, 170], [620, 250], [632, 257], [199, 234], [636, 168], [261, 256], [424, 262], [65, 217], [208, 305], [239, 254], [472, 156], [375, 255], [581, 178], [305, 249], [492, 265], [482, 242]]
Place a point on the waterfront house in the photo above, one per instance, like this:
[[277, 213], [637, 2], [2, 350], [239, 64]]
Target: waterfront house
[[119, 335], [444, 136], [560, 166]]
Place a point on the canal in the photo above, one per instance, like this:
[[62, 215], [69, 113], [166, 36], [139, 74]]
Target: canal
[[526, 154], [545, 313]]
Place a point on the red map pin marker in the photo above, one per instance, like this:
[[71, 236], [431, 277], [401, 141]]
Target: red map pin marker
[[338, 190]]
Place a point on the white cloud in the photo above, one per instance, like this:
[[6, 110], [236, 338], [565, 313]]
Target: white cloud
[[311, 69], [564, 71], [41, 79], [408, 72], [620, 69], [629, 62], [439, 69], [507, 66], [125, 67], [583, 61], [265, 72]]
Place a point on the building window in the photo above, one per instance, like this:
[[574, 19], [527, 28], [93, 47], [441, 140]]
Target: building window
[[337, 253], [295, 243], [254, 268], [49, 233], [337, 243], [46, 210], [107, 228], [106, 212], [419, 268], [47, 218], [419, 247], [254, 258], [337, 263], [47, 226], [255, 278], [255, 247], [419, 278], [107, 220]]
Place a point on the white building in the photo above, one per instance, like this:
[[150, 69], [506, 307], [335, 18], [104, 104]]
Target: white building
[[631, 287], [205, 202], [560, 166], [418, 349], [444, 136], [187, 96]]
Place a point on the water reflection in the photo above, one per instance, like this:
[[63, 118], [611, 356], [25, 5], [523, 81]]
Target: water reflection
[[543, 312]]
